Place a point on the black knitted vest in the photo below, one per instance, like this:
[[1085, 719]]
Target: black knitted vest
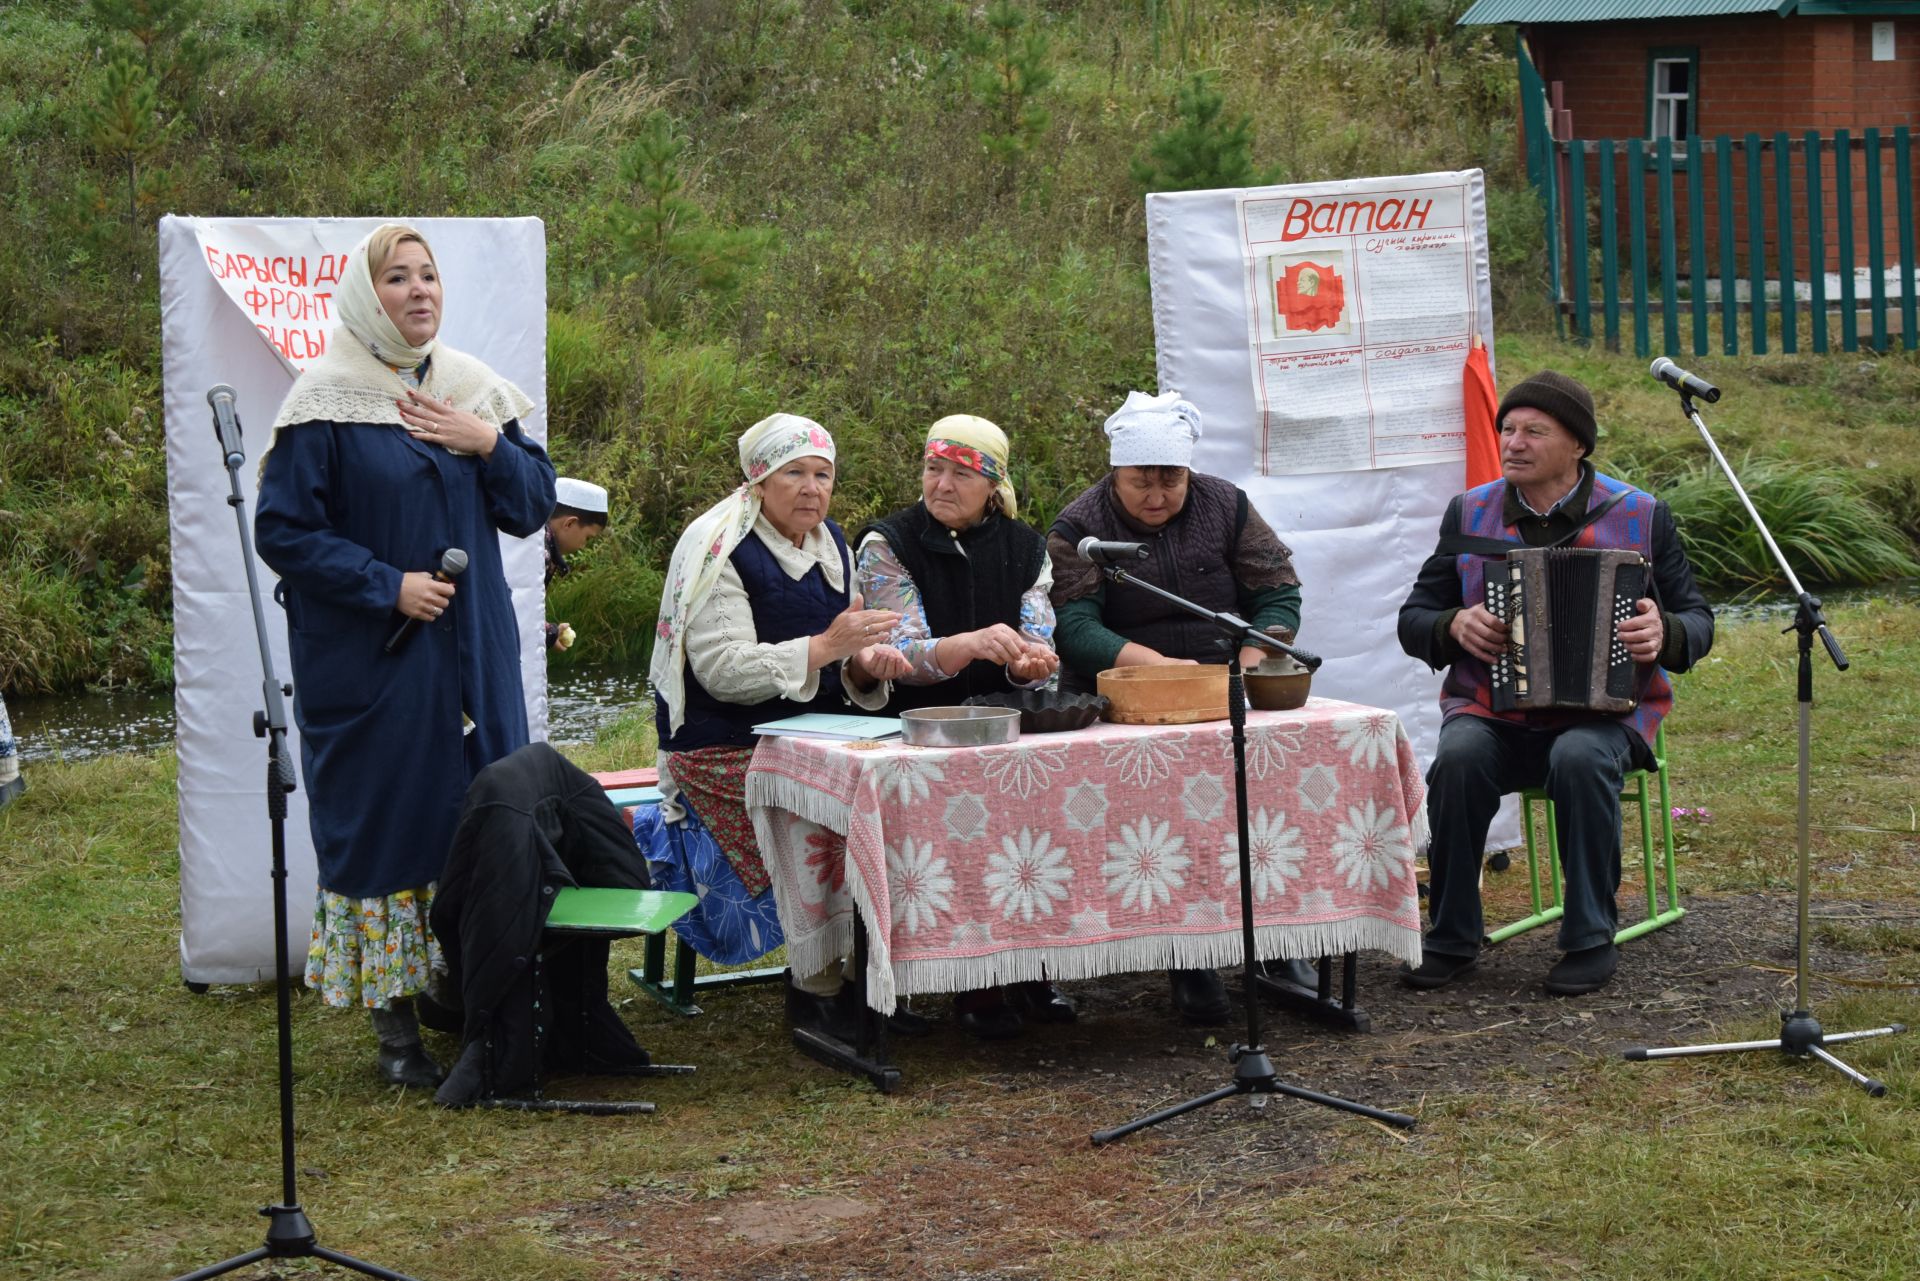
[[1191, 556], [967, 580]]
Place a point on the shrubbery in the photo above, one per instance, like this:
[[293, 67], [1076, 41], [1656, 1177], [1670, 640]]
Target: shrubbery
[[874, 212]]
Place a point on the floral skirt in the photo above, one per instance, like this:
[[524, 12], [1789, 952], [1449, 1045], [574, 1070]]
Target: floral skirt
[[713, 780], [372, 951]]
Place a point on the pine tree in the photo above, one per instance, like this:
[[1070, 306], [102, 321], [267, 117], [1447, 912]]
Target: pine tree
[[124, 126], [1202, 150], [1012, 70], [664, 240]]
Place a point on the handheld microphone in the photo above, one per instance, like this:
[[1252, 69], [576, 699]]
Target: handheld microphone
[[453, 563], [226, 423], [1682, 381], [1110, 553]]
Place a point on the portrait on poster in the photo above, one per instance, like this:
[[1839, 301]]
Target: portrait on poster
[[1307, 294]]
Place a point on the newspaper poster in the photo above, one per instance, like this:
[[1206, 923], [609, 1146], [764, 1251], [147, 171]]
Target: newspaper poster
[[1361, 308]]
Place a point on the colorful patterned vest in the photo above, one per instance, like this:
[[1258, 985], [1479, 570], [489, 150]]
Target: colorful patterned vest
[[1467, 689]]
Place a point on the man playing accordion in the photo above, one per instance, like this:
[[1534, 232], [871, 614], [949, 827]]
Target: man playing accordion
[[1549, 495]]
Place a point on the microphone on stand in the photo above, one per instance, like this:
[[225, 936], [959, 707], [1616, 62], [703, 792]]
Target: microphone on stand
[[453, 563], [226, 423], [1682, 381], [1092, 549]]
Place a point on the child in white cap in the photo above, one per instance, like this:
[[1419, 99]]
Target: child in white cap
[[579, 517]]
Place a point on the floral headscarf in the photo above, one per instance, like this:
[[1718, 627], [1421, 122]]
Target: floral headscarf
[[977, 444], [703, 550]]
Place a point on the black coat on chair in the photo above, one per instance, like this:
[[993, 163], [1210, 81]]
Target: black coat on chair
[[533, 823]]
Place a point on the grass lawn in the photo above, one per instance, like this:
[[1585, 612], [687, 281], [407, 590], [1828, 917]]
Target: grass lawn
[[140, 1127]]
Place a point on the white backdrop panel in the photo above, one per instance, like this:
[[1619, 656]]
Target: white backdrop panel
[[1358, 537], [495, 272]]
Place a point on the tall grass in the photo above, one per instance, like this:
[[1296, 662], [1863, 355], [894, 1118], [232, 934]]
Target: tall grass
[[1828, 529]]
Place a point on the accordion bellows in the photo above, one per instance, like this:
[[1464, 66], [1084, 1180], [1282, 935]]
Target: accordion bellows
[[1565, 606]]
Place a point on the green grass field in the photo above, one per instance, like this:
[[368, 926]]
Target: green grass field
[[140, 1132]]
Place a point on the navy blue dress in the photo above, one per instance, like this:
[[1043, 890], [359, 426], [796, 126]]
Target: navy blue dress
[[344, 510]]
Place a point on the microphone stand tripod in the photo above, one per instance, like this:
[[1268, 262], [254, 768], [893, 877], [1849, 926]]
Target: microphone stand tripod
[[289, 1233], [1800, 1033], [1252, 1070]]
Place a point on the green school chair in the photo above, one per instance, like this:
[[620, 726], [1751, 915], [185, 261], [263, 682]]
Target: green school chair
[[1656, 862]]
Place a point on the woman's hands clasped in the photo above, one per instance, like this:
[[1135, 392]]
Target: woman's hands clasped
[[1026, 661], [858, 636], [437, 422]]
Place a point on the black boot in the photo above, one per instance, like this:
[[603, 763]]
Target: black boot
[[403, 1061], [1201, 997], [985, 1015], [827, 1015]]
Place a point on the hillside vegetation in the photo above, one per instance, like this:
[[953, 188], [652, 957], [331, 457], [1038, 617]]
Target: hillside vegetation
[[873, 212]]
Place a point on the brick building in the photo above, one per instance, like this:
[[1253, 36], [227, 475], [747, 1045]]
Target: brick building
[[1680, 69]]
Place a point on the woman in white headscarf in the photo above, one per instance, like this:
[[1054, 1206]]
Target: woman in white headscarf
[[1205, 542], [760, 621], [390, 450]]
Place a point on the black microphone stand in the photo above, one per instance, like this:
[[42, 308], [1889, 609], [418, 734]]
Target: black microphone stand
[[1800, 1033], [289, 1234], [1252, 1070]]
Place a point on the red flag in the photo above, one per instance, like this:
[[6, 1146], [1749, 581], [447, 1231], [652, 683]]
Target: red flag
[[1482, 406]]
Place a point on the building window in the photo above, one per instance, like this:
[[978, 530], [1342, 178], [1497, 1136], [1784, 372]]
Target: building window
[[1673, 93]]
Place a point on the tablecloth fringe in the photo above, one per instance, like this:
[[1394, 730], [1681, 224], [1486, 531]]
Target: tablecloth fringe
[[814, 950], [1177, 952]]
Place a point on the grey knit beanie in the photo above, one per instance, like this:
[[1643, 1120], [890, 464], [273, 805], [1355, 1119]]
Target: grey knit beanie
[[1563, 397]]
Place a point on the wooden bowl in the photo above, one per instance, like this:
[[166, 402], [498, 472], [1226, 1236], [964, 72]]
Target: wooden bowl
[[1172, 695], [1278, 686]]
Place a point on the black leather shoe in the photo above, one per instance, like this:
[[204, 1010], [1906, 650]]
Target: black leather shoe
[[410, 1066], [1296, 970], [1437, 969], [906, 1022], [1200, 996], [1041, 1002], [828, 1015], [986, 1016], [1587, 970]]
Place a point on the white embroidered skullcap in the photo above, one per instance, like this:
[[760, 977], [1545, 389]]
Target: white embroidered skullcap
[[581, 495], [1153, 431]]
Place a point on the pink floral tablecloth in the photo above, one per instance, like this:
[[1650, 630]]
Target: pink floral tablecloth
[[1073, 855]]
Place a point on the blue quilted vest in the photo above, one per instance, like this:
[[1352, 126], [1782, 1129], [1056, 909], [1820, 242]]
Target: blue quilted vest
[[1467, 689], [783, 608]]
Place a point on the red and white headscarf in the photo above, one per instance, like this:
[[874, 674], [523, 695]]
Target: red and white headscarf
[[977, 444]]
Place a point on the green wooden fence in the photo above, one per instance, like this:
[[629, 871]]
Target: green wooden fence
[[1783, 207]]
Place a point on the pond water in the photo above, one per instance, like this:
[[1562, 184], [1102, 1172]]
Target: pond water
[[580, 701]]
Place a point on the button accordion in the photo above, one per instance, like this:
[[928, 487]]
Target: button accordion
[[1565, 606]]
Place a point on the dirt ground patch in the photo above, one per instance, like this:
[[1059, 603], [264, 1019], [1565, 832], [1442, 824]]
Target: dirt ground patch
[[1006, 1170]]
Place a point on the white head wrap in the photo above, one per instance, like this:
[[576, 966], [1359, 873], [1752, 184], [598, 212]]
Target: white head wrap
[[1153, 431], [355, 380], [709, 541], [364, 316], [581, 495]]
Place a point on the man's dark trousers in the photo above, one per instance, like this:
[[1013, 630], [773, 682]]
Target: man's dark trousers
[[1478, 761]]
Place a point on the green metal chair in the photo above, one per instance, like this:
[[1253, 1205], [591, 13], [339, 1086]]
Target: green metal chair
[[585, 912], [1657, 862]]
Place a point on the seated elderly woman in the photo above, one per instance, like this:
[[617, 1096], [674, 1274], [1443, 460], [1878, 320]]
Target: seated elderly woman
[[758, 622], [1206, 543], [970, 583]]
